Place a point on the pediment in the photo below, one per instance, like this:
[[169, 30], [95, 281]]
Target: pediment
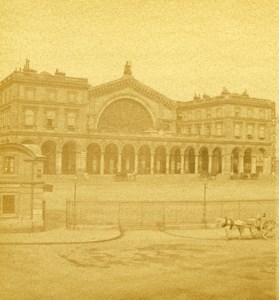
[[130, 82]]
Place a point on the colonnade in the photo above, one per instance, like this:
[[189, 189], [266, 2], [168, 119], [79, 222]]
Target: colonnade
[[152, 159]]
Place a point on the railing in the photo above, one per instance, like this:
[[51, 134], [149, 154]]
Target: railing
[[160, 214]]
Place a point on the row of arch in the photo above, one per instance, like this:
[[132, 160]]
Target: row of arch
[[145, 161]]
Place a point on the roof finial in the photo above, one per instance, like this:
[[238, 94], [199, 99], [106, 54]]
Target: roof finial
[[26, 66], [127, 69]]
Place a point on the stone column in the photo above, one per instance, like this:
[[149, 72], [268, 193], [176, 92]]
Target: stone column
[[58, 164], [240, 164], [182, 164], [136, 163], [209, 164], [167, 163], [226, 161], [119, 162], [186, 164], [152, 163], [82, 162], [102, 163], [267, 165], [253, 164], [196, 164], [78, 162]]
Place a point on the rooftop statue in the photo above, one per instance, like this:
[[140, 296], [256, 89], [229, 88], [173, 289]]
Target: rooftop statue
[[127, 69]]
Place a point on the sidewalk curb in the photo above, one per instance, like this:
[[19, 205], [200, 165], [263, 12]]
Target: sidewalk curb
[[121, 234]]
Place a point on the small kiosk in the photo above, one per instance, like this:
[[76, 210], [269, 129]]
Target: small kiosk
[[21, 187]]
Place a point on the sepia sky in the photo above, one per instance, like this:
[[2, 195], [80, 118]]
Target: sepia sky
[[177, 47]]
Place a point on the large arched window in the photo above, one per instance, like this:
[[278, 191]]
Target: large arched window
[[125, 115]]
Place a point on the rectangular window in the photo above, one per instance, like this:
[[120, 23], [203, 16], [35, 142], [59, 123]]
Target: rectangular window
[[29, 118], [29, 94], [72, 96], [250, 113], [189, 130], [50, 119], [207, 129], [198, 129], [189, 115], [250, 129], [8, 204], [237, 112], [71, 121], [9, 164], [51, 95], [262, 114], [262, 132], [208, 113], [219, 112], [237, 130], [198, 114], [219, 129]]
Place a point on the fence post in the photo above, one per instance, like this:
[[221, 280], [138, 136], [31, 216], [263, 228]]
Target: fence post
[[204, 206], [239, 209], [44, 214], [119, 212], [67, 214], [164, 216]]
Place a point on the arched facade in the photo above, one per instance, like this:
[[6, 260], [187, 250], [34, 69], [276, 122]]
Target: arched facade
[[126, 126]]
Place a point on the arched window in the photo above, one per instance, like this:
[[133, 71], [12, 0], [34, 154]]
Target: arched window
[[29, 118], [125, 115]]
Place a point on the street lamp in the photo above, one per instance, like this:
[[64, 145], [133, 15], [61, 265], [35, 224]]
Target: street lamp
[[75, 200], [204, 204]]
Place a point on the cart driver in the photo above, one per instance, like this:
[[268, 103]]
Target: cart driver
[[260, 219]]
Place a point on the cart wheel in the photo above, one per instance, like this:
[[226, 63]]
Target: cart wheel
[[255, 232], [268, 229]]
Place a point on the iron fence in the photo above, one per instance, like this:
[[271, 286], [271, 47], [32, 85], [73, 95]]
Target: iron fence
[[161, 214]]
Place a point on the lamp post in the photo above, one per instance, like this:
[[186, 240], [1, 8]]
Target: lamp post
[[204, 204], [75, 201]]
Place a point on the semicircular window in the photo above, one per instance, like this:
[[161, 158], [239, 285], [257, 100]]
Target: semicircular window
[[125, 115]]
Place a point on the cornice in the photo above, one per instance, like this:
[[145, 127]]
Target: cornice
[[254, 102], [136, 138], [38, 79]]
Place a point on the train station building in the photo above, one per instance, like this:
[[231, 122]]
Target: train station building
[[125, 125]]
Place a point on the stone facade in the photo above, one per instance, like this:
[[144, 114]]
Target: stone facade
[[125, 125], [21, 187]]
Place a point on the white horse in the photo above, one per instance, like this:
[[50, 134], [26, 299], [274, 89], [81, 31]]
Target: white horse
[[228, 224]]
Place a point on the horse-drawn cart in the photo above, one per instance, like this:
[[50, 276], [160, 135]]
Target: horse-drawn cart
[[258, 227]]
